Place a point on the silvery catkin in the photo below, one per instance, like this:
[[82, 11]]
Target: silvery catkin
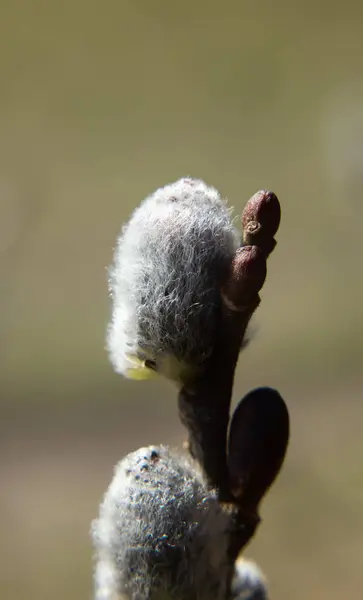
[[165, 281]]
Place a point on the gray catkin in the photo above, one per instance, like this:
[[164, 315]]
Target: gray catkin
[[162, 534], [166, 275]]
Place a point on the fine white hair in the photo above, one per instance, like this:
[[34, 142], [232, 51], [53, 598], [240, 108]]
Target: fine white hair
[[162, 533], [166, 276]]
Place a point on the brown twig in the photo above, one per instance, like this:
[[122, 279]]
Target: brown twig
[[204, 404]]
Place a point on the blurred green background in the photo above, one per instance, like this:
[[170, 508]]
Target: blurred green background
[[100, 104]]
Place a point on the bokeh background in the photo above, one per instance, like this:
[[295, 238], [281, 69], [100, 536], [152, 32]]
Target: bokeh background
[[100, 104]]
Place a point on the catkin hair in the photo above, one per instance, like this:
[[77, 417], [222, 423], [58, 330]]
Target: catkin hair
[[162, 533], [165, 279], [160, 528]]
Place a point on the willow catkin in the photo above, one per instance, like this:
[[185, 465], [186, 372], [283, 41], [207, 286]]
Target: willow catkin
[[162, 533], [165, 280]]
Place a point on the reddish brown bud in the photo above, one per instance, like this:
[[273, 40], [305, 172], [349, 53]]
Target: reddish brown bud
[[246, 278], [259, 434], [264, 208]]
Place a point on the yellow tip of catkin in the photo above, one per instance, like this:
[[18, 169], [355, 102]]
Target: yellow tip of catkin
[[138, 370]]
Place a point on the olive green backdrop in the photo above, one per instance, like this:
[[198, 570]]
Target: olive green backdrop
[[100, 103]]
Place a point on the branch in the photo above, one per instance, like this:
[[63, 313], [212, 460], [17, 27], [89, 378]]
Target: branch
[[170, 524]]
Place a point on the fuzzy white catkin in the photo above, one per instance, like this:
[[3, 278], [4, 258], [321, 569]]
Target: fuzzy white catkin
[[162, 534], [165, 280]]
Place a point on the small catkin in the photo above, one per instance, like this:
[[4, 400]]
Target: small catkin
[[169, 264], [162, 533]]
